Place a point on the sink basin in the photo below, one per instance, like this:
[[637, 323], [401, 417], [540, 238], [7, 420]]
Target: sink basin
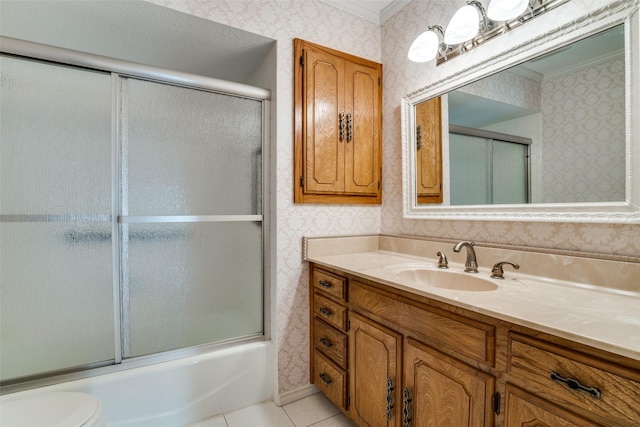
[[445, 279]]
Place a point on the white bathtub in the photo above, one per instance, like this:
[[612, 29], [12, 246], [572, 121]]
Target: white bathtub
[[179, 392]]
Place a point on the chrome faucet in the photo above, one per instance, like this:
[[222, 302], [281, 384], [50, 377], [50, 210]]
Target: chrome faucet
[[471, 265]]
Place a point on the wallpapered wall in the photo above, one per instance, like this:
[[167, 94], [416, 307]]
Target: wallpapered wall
[[584, 106], [317, 22]]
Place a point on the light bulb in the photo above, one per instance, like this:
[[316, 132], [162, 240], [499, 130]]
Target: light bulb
[[464, 25], [425, 47], [504, 10]]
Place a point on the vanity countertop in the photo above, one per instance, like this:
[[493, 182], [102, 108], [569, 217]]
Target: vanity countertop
[[604, 318]]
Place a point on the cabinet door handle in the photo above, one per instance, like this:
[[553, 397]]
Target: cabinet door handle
[[342, 127], [325, 284], [575, 385], [324, 377], [326, 311], [389, 398], [326, 342], [419, 137], [349, 127], [406, 415]]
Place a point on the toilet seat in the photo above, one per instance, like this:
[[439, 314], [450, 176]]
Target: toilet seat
[[53, 409]]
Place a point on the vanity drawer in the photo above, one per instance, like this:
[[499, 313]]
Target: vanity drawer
[[330, 311], [332, 381], [331, 342], [329, 283], [448, 332], [608, 394]]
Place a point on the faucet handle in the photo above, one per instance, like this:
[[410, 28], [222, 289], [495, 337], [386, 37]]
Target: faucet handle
[[442, 260], [498, 273]]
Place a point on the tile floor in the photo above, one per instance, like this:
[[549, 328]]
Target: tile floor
[[315, 410]]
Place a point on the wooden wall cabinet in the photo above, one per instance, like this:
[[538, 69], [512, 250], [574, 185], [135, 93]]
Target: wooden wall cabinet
[[391, 358], [429, 151], [337, 127]]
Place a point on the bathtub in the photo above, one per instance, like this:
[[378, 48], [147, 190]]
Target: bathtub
[[179, 392]]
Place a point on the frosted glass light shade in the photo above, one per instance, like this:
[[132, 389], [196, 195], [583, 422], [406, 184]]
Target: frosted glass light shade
[[464, 25], [425, 47], [504, 10]]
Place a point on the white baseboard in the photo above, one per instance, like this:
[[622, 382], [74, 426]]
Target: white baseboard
[[297, 394]]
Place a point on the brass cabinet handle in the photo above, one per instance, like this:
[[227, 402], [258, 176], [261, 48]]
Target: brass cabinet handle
[[575, 385]]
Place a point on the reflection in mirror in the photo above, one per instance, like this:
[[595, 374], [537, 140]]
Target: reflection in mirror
[[551, 130]]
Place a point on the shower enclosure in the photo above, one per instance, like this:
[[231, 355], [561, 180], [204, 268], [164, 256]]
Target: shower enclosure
[[488, 167], [131, 203]]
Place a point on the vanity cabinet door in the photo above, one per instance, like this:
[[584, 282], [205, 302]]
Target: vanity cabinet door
[[441, 391], [429, 151], [364, 123], [374, 373]]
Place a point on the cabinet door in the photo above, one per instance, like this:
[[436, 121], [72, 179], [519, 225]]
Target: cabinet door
[[374, 373], [444, 391], [324, 105], [429, 151], [525, 410], [362, 146]]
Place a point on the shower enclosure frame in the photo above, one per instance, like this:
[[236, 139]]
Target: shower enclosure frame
[[118, 69]]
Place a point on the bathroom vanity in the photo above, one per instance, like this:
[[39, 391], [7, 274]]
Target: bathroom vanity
[[397, 341]]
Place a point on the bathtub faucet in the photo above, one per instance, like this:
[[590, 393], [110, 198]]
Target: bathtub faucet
[[471, 265]]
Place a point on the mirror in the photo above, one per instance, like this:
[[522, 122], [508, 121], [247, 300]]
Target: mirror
[[552, 138]]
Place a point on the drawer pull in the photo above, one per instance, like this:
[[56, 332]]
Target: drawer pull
[[325, 284], [326, 379], [326, 342], [575, 385], [326, 311]]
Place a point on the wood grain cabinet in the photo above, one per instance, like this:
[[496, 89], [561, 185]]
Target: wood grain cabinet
[[338, 126], [329, 335], [429, 151], [442, 391], [569, 382], [391, 358], [375, 377]]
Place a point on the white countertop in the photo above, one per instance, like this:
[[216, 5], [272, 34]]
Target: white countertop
[[600, 317]]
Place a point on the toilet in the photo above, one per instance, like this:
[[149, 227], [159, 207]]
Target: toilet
[[52, 409]]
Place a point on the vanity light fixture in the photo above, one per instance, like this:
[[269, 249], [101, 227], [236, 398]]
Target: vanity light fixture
[[427, 45], [466, 23], [504, 10], [471, 26]]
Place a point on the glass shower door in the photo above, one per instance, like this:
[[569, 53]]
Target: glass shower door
[[56, 286], [487, 171], [191, 222]]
